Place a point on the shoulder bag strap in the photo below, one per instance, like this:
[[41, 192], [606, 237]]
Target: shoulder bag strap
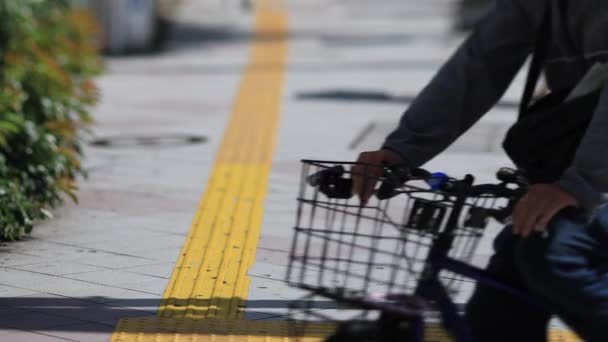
[[541, 51]]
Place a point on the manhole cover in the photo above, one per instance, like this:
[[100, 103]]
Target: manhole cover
[[165, 140], [350, 95]]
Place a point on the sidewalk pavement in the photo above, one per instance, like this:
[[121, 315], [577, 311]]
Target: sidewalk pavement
[[111, 256]]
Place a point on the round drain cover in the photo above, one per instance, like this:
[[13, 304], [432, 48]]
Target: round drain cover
[[166, 140]]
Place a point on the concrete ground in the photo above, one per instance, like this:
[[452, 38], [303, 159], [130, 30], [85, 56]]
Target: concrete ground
[[111, 256]]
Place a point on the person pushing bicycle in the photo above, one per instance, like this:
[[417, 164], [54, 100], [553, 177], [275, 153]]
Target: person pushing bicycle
[[559, 142]]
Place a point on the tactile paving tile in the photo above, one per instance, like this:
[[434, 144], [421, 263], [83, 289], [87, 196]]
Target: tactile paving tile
[[193, 330]]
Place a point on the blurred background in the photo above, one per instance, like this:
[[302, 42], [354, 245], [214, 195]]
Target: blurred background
[[144, 25]]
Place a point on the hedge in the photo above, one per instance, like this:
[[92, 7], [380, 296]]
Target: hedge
[[48, 56]]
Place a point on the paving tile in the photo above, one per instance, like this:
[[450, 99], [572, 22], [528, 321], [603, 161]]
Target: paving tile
[[260, 316], [114, 261], [66, 254], [268, 270], [164, 270], [74, 308], [67, 287], [9, 291], [26, 336], [272, 256], [76, 225], [145, 305], [29, 320], [6, 310], [156, 286], [147, 241], [59, 268], [88, 332], [114, 277], [162, 255], [271, 297], [110, 294], [14, 259], [62, 252]]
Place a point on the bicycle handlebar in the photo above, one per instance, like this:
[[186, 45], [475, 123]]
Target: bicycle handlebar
[[441, 182], [333, 182]]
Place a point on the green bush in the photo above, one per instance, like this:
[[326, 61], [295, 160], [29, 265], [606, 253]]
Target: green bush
[[48, 57]]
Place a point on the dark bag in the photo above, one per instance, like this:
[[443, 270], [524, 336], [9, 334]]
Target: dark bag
[[547, 135]]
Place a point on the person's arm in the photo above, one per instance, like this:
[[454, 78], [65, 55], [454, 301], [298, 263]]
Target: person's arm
[[470, 83], [464, 89], [587, 178]]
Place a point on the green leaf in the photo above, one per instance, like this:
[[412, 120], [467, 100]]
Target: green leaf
[[47, 63]]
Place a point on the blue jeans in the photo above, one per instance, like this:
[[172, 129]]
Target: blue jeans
[[569, 269]]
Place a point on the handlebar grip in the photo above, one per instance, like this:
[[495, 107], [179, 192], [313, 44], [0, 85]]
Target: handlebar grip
[[420, 173], [493, 190], [386, 191], [395, 177]]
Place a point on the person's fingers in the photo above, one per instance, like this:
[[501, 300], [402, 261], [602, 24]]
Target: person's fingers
[[365, 185], [365, 174], [370, 178], [536, 205], [549, 214], [360, 175], [516, 217], [519, 213], [528, 211], [530, 222], [536, 209], [356, 172], [367, 171], [543, 221]]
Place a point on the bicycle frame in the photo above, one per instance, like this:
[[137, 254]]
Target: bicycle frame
[[430, 226], [431, 288]]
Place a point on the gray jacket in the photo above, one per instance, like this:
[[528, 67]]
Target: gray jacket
[[480, 71]]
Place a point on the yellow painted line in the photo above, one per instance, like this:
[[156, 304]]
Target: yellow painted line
[[176, 330], [209, 280], [210, 277]]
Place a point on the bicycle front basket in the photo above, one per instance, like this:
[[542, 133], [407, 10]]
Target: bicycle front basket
[[350, 252]]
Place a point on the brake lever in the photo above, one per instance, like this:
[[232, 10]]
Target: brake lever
[[395, 177]]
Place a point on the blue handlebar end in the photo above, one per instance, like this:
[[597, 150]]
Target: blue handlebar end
[[437, 180]]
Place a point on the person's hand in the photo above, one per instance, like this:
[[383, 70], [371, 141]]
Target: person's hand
[[366, 177], [536, 209]]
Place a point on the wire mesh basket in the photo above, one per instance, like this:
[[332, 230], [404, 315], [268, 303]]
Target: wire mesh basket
[[373, 256]]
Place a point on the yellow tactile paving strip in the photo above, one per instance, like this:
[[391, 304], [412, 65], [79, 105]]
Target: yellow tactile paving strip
[[210, 279], [210, 276], [209, 284], [192, 330]]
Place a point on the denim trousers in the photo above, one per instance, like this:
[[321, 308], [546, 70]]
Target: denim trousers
[[567, 268]]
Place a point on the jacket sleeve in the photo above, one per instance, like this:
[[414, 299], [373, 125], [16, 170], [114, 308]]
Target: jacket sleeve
[[587, 178], [470, 83]]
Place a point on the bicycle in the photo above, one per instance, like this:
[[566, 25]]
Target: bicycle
[[396, 262]]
